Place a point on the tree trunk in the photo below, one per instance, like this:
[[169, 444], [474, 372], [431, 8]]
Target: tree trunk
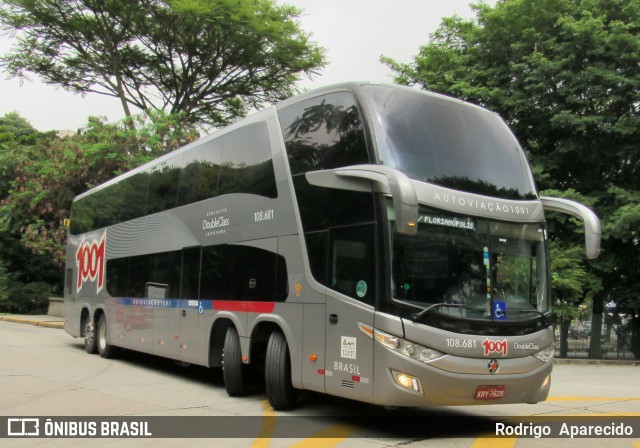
[[564, 337], [121, 93], [635, 336], [595, 345]]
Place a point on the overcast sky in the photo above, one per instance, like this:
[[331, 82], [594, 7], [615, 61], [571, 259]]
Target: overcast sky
[[354, 32]]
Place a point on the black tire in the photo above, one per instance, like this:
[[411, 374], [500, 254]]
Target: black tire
[[90, 337], [104, 348], [280, 392], [234, 373]]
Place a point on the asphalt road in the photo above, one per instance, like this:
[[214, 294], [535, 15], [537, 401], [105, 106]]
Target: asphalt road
[[45, 372]]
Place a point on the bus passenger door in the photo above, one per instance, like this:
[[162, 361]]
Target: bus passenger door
[[191, 311], [349, 351]]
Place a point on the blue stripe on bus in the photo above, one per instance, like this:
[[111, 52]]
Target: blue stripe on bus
[[200, 305], [164, 303]]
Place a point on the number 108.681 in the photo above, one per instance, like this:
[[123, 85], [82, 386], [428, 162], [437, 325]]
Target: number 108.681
[[263, 215]]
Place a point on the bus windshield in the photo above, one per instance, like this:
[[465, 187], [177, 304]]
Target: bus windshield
[[472, 267], [445, 142]]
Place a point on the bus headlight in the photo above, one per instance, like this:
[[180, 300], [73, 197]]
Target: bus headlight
[[546, 354], [402, 346]]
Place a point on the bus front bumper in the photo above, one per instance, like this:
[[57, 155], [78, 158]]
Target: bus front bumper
[[455, 381]]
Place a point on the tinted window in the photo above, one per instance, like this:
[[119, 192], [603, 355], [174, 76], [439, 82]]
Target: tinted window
[[190, 273], [352, 262], [134, 192], [154, 275], [201, 168], [317, 250], [166, 271], [321, 208], [247, 166], [118, 202], [163, 185], [322, 133], [118, 277], [101, 209], [216, 273], [82, 219], [449, 143], [258, 274], [243, 273], [225, 272]]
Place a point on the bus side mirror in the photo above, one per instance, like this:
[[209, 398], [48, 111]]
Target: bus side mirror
[[592, 232], [380, 179]]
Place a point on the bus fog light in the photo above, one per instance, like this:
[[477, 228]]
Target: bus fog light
[[546, 354], [407, 381]]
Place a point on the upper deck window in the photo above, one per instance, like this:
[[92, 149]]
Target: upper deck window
[[323, 132], [448, 143], [237, 162]]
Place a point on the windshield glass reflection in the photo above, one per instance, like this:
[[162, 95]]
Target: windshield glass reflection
[[472, 267]]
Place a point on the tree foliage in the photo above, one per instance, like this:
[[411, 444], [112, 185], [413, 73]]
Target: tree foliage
[[58, 169], [212, 60], [565, 76]]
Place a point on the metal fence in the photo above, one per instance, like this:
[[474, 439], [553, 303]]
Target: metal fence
[[616, 341]]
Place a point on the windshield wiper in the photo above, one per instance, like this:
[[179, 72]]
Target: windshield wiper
[[423, 310], [545, 318], [419, 314]]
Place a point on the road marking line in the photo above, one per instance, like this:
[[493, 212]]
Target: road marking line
[[325, 438], [574, 398], [328, 437], [268, 426], [495, 442]]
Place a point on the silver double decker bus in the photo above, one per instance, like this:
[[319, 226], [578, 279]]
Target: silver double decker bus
[[373, 242]]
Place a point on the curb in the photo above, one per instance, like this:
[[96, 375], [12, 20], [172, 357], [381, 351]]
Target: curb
[[598, 362], [37, 323]]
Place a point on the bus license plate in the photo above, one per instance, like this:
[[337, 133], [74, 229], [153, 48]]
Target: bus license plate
[[489, 392]]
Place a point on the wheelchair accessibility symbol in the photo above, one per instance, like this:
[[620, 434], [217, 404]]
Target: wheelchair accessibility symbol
[[200, 308], [500, 310]]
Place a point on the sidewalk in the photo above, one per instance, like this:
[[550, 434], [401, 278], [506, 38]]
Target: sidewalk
[[40, 320]]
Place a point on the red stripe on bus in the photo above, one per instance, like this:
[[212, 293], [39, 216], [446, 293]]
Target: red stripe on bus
[[248, 307]]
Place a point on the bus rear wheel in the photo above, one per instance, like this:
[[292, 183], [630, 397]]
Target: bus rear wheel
[[233, 372], [280, 392], [104, 348], [90, 339]]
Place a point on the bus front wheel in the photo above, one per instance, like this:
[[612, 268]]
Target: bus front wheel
[[233, 372], [280, 392]]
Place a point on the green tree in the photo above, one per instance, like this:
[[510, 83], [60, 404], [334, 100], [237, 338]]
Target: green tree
[[210, 59], [40, 196], [17, 127], [17, 136], [565, 76], [26, 279], [40, 174]]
